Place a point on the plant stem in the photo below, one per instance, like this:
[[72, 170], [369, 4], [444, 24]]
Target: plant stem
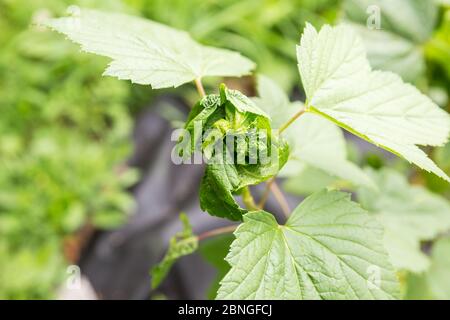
[[271, 185], [266, 192], [291, 120], [199, 85], [280, 199], [216, 232], [248, 200]]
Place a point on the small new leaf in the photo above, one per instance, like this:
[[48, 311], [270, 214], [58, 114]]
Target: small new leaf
[[182, 244], [375, 105], [147, 52], [328, 249]]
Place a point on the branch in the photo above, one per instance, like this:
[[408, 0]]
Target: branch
[[271, 185], [291, 120], [199, 85], [248, 200], [266, 193], [280, 199], [216, 232]]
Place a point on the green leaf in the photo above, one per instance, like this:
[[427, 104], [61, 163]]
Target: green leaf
[[416, 22], [435, 282], [328, 249], [214, 251], [439, 274], [312, 139], [147, 52], [390, 52], [374, 105], [437, 49], [216, 192], [273, 100], [398, 45], [315, 141], [416, 287], [308, 181], [182, 244], [241, 102], [410, 214], [442, 156]]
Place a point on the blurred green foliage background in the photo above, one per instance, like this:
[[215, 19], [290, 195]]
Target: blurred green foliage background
[[65, 131]]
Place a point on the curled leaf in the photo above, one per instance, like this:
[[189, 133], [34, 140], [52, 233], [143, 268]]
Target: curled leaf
[[235, 137]]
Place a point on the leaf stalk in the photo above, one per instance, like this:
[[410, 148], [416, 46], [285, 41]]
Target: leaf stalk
[[199, 86], [291, 120], [248, 200], [216, 232]]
